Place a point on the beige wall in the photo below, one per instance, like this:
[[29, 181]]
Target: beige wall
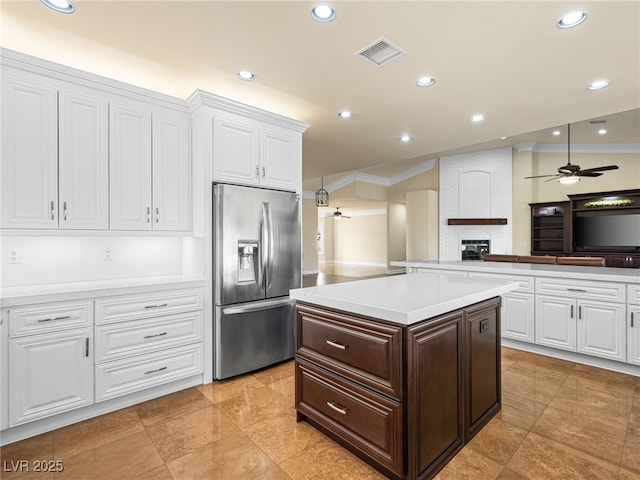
[[539, 190], [422, 224], [360, 239], [309, 235], [396, 233]]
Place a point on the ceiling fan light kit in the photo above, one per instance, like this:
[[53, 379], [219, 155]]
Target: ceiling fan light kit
[[570, 173]]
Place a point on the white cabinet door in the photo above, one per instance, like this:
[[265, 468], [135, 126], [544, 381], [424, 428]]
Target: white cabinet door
[[633, 334], [602, 329], [171, 171], [130, 166], [518, 316], [280, 160], [29, 170], [555, 322], [235, 152], [83, 162], [49, 374]]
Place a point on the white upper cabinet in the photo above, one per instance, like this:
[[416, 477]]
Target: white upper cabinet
[[29, 169], [235, 152], [130, 172], [83, 162], [150, 168], [88, 153], [246, 145], [171, 171]]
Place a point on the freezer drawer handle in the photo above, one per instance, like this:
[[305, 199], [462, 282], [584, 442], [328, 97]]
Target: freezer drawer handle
[[155, 371], [156, 335], [337, 407], [256, 307], [339, 345], [577, 290], [157, 306], [53, 319]]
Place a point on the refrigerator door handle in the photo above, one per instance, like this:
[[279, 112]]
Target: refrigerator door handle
[[267, 243], [256, 306]]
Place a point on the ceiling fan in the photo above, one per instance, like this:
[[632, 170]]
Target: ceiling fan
[[339, 214], [571, 173]]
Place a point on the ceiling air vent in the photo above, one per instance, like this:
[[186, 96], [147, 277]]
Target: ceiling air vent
[[380, 52], [598, 122]]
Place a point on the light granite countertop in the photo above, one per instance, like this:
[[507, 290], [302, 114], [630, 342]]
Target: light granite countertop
[[404, 299]]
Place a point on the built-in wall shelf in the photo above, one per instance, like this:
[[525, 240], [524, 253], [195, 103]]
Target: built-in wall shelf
[[476, 221]]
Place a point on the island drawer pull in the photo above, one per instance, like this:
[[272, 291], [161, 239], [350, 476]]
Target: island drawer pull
[[53, 319], [577, 290], [156, 335], [339, 345], [157, 306], [339, 409], [155, 371]]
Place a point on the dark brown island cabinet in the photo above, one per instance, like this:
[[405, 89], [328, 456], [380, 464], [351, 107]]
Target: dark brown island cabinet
[[405, 398]]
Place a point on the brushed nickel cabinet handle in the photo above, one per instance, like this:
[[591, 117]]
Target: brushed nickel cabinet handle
[[632, 319], [157, 306], [257, 171], [263, 172], [341, 346], [155, 371], [157, 215], [571, 311], [64, 211], [148, 214], [339, 409], [53, 319], [86, 347], [576, 290], [156, 335], [53, 213], [580, 312]]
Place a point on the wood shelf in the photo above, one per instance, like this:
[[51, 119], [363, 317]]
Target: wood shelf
[[477, 221]]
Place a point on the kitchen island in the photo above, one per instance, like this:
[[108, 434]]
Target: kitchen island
[[401, 370]]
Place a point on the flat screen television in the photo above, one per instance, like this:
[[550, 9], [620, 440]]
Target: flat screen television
[[607, 233]]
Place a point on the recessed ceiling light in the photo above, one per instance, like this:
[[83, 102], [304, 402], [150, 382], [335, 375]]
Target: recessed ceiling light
[[478, 117], [345, 114], [62, 6], [405, 138], [503, 138], [323, 13], [602, 131], [246, 75], [598, 85], [556, 132], [425, 81], [572, 20]]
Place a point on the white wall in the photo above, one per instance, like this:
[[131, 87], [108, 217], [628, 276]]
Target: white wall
[[61, 259], [475, 185]]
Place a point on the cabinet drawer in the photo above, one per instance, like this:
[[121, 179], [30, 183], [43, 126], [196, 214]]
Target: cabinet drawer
[[367, 353], [633, 294], [49, 317], [526, 283], [129, 307], [370, 422], [607, 291], [124, 339], [121, 377]]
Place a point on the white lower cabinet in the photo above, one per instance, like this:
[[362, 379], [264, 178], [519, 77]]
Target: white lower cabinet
[[589, 327], [633, 334], [49, 374], [517, 317]]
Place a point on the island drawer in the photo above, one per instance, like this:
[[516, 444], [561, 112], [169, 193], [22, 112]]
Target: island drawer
[[366, 352], [130, 307], [526, 283], [370, 422], [124, 339], [49, 317], [633, 294], [606, 291]]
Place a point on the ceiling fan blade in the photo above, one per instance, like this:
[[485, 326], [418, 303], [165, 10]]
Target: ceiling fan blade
[[556, 177], [588, 174], [542, 176], [598, 169]]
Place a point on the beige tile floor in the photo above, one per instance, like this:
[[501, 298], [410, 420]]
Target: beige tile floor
[[559, 420]]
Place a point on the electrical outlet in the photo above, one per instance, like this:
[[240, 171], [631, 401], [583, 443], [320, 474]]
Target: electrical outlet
[[107, 254], [14, 256]]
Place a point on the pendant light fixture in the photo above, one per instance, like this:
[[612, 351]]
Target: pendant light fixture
[[322, 196]]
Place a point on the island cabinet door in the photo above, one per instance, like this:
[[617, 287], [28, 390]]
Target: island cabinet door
[[483, 402], [435, 393]]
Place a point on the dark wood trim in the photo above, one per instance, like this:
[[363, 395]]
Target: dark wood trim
[[477, 221]]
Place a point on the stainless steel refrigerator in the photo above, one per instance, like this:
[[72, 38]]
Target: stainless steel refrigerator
[[256, 261]]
